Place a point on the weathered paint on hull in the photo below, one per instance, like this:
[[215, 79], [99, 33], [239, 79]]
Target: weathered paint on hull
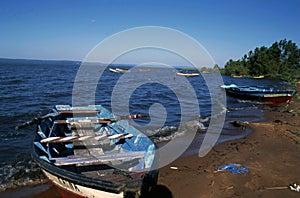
[[268, 99], [69, 189], [277, 99], [65, 193]]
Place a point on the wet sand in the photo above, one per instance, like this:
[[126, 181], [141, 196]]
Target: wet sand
[[41, 191], [271, 152]]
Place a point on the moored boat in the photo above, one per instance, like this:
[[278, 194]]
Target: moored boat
[[145, 70], [187, 74], [258, 77], [237, 76], [113, 70], [260, 93], [89, 152], [118, 70]]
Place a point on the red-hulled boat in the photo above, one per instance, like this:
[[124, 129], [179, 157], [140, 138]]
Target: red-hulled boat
[[260, 93]]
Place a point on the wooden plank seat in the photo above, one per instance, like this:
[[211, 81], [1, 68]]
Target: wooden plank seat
[[92, 121], [79, 111], [97, 159], [83, 138], [92, 145]]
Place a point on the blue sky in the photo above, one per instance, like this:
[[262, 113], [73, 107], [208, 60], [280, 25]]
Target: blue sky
[[68, 30]]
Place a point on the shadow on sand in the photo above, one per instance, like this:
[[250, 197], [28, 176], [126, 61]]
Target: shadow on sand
[[159, 191]]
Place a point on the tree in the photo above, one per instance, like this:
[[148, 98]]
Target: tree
[[281, 60]]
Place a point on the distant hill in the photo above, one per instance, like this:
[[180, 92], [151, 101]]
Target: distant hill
[[7, 62]]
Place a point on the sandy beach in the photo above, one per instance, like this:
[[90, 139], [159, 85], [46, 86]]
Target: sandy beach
[[271, 152]]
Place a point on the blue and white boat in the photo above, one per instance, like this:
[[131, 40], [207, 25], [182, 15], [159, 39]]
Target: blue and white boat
[[89, 152], [260, 93]]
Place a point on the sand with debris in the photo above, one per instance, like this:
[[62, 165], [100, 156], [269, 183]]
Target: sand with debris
[[271, 152]]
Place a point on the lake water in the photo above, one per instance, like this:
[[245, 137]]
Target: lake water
[[28, 89]]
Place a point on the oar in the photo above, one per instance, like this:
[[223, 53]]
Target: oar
[[131, 116], [98, 120], [102, 120], [82, 138], [35, 120]]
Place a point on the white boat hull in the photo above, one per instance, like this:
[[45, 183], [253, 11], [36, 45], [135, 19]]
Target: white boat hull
[[75, 190]]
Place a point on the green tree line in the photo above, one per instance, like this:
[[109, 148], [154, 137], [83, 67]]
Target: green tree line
[[280, 60]]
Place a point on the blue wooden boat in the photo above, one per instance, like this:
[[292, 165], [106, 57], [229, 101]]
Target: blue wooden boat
[[89, 152], [259, 93]]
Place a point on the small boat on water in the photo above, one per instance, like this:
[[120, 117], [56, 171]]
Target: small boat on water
[[145, 70], [118, 70], [237, 76], [89, 152], [259, 93], [187, 74], [258, 77]]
